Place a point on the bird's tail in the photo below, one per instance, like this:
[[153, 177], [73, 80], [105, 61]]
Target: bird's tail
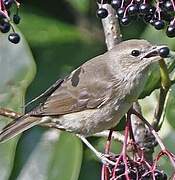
[[18, 126]]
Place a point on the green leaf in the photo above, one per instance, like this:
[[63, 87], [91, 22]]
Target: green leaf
[[51, 155], [17, 69]]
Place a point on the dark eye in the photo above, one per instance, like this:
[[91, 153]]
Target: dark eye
[[135, 53]]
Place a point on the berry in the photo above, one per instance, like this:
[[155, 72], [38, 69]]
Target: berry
[[147, 18], [170, 32], [168, 6], [16, 19], [120, 12], [159, 24], [5, 27], [144, 9], [8, 3], [164, 52], [120, 169], [164, 177], [132, 175], [133, 10], [116, 4], [102, 13], [125, 20], [152, 10], [14, 38]]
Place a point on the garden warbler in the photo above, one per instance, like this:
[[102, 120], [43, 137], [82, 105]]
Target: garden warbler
[[96, 95]]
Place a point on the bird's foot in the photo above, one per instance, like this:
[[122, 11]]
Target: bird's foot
[[105, 159]]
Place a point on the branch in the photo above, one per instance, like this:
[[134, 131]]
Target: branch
[[8, 113], [111, 27], [165, 86], [115, 135]]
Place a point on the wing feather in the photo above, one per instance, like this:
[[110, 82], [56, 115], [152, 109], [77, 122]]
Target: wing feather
[[87, 87]]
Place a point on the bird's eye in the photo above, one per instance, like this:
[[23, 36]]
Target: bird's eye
[[135, 53]]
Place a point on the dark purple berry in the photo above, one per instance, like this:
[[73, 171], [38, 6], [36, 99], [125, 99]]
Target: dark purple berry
[[170, 32], [14, 38], [157, 174], [125, 20], [120, 12], [144, 9], [152, 10], [164, 52], [8, 3], [5, 27], [169, 6], [159, 24], [116, 4], [132, 175], [120, 169], [153, 20], [133, 9], [164, 177], [16, 19], [102, 13], [147, 18]]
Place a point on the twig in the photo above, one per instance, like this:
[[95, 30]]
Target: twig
[[115, 135], [165, 85], [111, 27], [8, 113], [162, 146]]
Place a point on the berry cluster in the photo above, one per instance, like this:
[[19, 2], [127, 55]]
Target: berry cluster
[[160, 15], [136, 169], [6, 21]]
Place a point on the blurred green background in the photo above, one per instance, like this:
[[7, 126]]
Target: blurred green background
[[61, 35]]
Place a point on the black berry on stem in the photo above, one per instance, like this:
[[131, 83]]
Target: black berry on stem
[[102, 13], [170, 32], [144, 9], [14, 38], [159, 24], [5, 27], [16, 19], [116, 4], [133, 10], [164, 52], [169, 6], [120, 12], [8, 3], [125, 20]]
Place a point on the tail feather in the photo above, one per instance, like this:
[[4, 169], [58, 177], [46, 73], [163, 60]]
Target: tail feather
[[18, 126]]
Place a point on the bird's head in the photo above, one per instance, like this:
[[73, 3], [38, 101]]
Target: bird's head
[[138, 53]]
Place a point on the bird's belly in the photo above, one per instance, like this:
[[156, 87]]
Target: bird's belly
[[91, 121]]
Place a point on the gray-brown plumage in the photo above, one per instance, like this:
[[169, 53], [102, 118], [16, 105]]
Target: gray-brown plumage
[[96, 95]]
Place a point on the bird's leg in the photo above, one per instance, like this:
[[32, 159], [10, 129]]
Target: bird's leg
[[100, 155]]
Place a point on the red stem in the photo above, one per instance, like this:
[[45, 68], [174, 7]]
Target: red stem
[[105, 172]]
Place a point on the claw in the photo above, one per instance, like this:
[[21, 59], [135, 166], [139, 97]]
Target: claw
[[105, 160]]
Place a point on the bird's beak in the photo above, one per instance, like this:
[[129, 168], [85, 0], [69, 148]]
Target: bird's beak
[[154, 52]]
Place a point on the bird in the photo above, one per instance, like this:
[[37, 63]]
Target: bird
[[96, 95]]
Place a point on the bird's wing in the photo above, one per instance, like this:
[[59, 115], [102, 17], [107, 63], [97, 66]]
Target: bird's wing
[[89, 86]]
